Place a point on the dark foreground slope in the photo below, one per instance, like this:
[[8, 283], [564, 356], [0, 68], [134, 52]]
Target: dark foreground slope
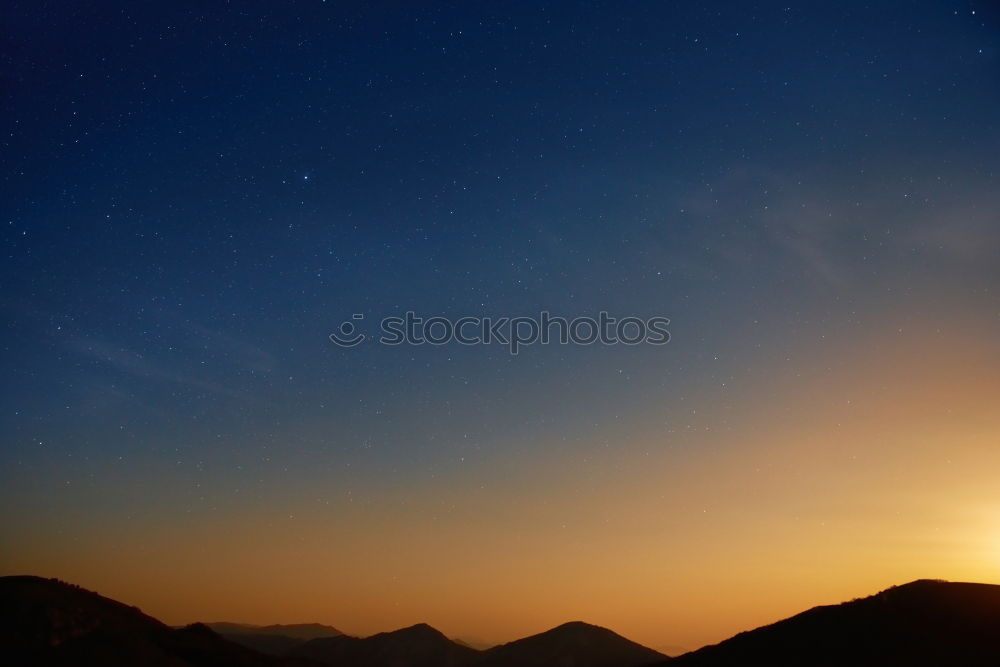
[[45, 622], [577, 644], [921, 623]]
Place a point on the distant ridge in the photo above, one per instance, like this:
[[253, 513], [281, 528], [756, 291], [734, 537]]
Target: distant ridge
[[577, 644], [415, 646], [304, 631], [273, 639], [923, 623]]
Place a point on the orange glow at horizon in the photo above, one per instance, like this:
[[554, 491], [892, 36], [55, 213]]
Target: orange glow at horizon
[[872, 465]]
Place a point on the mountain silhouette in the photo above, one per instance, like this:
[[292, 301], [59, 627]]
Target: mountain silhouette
[[569, 645], [303, 631], [573, 644], [925, 622], [46, 622], [416, 646], [273, 639]]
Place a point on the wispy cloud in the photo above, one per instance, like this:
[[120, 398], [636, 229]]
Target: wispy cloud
[[139, 365], [240, 352], [839, 232]]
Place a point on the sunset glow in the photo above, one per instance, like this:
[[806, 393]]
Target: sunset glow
[[809, 195]]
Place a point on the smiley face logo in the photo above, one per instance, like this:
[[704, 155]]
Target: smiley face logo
[[346, 334]]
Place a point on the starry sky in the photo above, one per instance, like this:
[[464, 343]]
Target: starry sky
[[195, 195]]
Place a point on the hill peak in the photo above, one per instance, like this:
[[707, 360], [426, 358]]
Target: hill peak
[[575, 642], [418, 645], [579, 626], [417, 629]]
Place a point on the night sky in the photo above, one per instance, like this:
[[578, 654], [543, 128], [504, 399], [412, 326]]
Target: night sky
[[195, 195]]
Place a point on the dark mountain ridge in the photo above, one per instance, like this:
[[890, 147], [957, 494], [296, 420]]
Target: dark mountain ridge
[[303, 631], [416, 646], [925, 622], [47, 622], [577, 644], [273, 639]]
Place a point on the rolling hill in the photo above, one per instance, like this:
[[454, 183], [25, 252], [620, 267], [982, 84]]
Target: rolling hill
[[577, 644], [416, 646], [571, 644]]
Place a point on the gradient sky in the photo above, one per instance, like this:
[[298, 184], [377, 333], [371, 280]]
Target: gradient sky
[[194, 195]]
